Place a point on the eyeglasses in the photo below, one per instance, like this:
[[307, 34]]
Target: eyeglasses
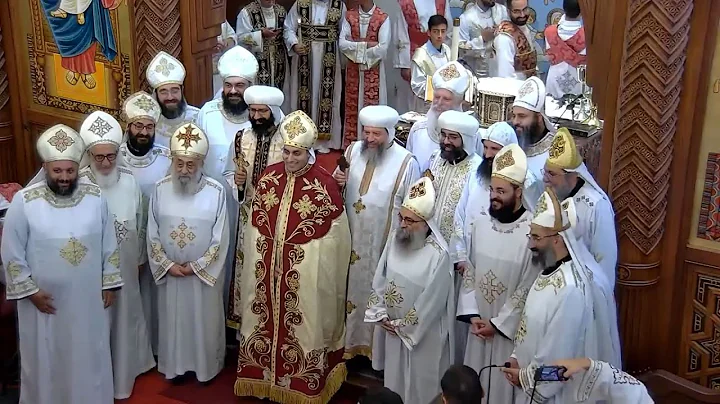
[[535, 237], [525, 11], [407, 220], [100, 157], [550, 174], [139, 127]]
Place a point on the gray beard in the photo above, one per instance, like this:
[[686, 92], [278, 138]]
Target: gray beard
[[408, 241], [544, 259], [373, 156], [186, 186], [105, 181]]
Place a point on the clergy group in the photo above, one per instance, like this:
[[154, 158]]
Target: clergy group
[[168, 235]]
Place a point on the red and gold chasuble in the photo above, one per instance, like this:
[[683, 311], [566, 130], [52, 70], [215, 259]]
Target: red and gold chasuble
[[565, 51], [293, 287], [371, 81], [525, 55], [417, 36]]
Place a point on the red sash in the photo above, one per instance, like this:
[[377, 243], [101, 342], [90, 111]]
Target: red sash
[[525, 56], [418, 37], [352, 74], [565, 51]]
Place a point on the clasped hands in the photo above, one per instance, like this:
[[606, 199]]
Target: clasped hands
[[481, 328], [180, 271], [388, 326], [42, 300]]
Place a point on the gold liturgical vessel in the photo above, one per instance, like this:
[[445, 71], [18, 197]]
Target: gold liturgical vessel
[[587, 112]]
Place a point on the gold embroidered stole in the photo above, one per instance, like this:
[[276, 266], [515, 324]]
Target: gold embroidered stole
[[274, 47]]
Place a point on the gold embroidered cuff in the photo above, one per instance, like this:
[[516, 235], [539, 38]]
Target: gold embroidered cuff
[[203, 274], [21, 290], [112, 281]]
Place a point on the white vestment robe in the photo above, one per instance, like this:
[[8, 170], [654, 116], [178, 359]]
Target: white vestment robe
[[373, 195], [562, 78], [538, 153], [596, 229], [189, 230], [413, 289], [423, 142], [557, 323], [255, 165], [252, 39], [129, 338], [221, 129], [367, 57], [318, 15], [604, 383], [473, 20], [474, 201], [147, 170], [403, 54], [64, 246], [165, 128], [495, 288], [426, 60], [449, 182], [505, 51]]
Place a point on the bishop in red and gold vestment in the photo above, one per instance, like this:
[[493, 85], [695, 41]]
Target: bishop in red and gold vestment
[[297, 252]]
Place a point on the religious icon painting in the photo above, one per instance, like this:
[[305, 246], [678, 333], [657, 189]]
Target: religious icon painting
[[78, 54]]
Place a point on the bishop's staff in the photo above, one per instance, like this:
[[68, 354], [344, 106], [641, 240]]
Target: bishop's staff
[[240, 166]]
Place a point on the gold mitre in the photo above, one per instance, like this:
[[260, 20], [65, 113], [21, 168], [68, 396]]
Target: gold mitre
[[564, 153], [189, 141], [165, 69], [298, 130], [59, 143], [101, 128], [141, 105], [552, 214], [510, 164], [421, 198]]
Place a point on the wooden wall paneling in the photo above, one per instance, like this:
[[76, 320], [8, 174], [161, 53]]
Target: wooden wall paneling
[[156, 28], [200, 20], [657, 33], [7, 143]]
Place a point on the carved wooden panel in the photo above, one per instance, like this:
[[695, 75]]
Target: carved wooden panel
[[645, 126], [7, 146], [157, 28], [700, 356]]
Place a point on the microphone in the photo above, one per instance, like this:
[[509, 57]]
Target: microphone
[[504, 365]]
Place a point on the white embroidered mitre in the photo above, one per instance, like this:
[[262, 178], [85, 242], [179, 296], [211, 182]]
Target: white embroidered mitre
[[238, 62], [141, 105], [421, 198], [165, 69], [189, 141], [531, 95], [510, 164], [101, 128], [59, 143]]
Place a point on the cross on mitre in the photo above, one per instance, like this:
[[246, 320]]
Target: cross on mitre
[[417, 190], [100, 128], [164, 67], [449, 73], [144, 103], [294, 128], [61, 141], [557, 148], [504, 161], [188, 135], [526, 89]]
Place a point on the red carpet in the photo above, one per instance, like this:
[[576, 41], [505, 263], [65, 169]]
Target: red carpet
[[152, 388]]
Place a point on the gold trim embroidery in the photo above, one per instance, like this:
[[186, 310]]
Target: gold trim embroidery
[[392, 295], [490, 287], [61, 202], [114, 258], [181, 234], [73, 252], [61, 141]]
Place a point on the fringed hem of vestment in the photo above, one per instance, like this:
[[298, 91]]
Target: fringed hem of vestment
[[360, 350], [264, 389]]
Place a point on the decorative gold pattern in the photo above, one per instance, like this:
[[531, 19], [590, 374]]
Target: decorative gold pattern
[[521, 331], [518, 298], [156, 252], [410, 318], [504, 161], [73, 252], [211, 255], [121, 231], [61, 141], [181, 234], [557, 148], [349, 307], [556, 280], [14, 270], [294, 128], [304, 207], [354, 257], [164, 67], [359, 206], [145, 103], [188, 136], [541, 207], [490, 287], [393, 297], [449, 73], [417, 190], [114, 258], [373, 300]]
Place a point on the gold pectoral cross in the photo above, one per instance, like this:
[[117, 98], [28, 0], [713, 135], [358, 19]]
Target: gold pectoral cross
[[359, 206]]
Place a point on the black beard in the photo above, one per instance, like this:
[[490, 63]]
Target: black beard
[[530, 136], [519, 21], [234, 108], [484, 170], [504, 214], [136, 148], [453, 155], [262, 126], [55, 187], [176, 112]]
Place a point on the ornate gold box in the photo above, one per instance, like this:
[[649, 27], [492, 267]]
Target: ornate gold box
[[494, 99]]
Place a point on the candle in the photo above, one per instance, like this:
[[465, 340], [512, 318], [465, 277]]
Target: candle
[[300, 41], [455, 39]]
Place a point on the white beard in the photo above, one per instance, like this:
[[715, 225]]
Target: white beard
[[105, 181], [190, 187]]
